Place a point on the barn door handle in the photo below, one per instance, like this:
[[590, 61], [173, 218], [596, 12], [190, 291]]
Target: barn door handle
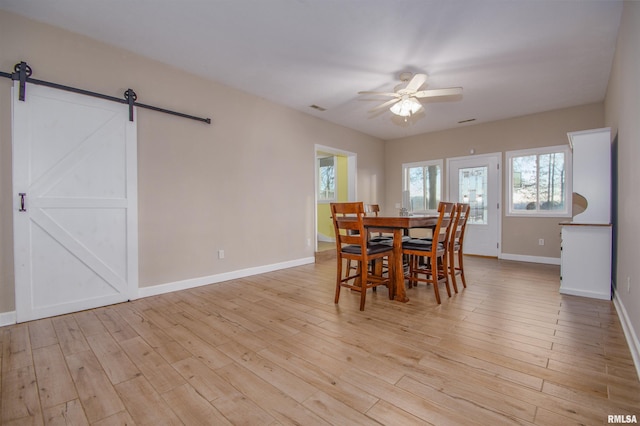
[[22, 195]]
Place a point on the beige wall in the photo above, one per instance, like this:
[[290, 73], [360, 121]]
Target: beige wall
[[622, 114], [519, 235], [244, 184]]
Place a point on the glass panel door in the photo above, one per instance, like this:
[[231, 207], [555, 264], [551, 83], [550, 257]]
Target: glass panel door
[[472, 187], [475, 180]]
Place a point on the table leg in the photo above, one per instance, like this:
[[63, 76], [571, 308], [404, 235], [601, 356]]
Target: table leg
[[398, 268]]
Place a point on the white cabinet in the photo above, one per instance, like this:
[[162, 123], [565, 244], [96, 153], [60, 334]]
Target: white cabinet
[[586, 240], [585, 268]]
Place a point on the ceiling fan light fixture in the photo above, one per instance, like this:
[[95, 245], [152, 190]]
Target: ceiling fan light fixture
[[406, 107]]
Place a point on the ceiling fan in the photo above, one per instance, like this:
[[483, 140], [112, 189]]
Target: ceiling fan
[[404, 100]]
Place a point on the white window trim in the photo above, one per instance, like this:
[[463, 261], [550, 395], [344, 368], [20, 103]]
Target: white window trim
[[335, 180], [427, 163], [568, 182]]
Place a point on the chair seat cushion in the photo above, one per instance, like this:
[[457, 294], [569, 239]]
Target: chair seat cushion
[[380, 239], [389, 241], [420, 244], [371, 249]]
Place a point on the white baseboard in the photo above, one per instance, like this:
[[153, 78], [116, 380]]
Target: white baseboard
[[629, 333], [8, 318], [531, 259], [323, 238], [585, 293], [212, 279]]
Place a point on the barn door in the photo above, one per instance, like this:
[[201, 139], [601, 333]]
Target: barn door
[[75, 203]]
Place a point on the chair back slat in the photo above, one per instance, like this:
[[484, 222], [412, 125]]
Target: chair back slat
[[372, 208], [442, 229], [348, 224], [462, 222], [461, 213]]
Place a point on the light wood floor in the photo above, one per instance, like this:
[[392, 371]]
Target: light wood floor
[[274, 349], [324, 245]]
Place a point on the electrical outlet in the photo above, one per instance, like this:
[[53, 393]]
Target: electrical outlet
[[541, 242], [308, 242], [220, 254]]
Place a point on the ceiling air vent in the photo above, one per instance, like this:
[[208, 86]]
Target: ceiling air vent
[[466, 121], [319, 108]]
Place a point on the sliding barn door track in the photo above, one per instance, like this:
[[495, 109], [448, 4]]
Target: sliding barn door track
[[22, 73]]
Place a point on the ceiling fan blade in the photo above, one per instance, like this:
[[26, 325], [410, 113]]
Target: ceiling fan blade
[[395, 95], [416, 82], [386, 104], [450, 91]]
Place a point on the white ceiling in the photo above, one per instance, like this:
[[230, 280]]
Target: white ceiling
[[512, 57]]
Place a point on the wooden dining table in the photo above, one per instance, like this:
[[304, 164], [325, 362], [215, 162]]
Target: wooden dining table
[[398, 224]]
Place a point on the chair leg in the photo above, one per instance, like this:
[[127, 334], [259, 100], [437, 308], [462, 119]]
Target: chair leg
[[461, 268], [434, 278], [358, 267], [452, 270], [391, 273], [416, 270], [445, 273], [413, 266], [363, 285], [376, 268], [338, 280], [350, 267]]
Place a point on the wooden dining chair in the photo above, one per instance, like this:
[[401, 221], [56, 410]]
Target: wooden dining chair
[[456, 242], [433, 253], [352, 245], [377, 234]]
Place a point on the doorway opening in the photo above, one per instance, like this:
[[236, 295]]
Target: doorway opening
[[335, 181]]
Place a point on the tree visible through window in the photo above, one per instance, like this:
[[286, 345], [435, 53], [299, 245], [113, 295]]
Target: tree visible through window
[[423, 181], [327, 178], [538, 181]]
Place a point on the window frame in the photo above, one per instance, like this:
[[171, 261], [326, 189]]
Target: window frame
[[322, 200], [510, 155], [405, 181]]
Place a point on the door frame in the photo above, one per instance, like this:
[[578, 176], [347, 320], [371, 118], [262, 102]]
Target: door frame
[[500, 196], [352, 160]]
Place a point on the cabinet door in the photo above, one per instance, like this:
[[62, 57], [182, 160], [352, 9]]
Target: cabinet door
[[592, 174], [586, 261]]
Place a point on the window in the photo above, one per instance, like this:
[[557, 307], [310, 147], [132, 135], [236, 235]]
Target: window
[[327, 178], [422, 186], [539, 182], [472, 190]]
